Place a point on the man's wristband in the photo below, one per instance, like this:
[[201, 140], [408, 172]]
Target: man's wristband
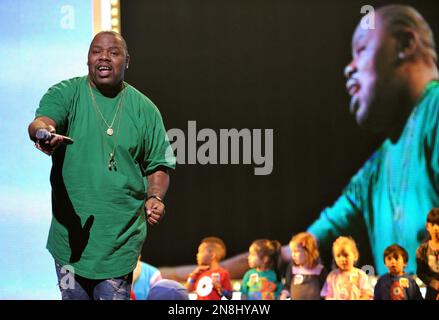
[[155, 197]]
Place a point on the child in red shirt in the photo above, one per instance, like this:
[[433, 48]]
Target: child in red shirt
[[209, 280]]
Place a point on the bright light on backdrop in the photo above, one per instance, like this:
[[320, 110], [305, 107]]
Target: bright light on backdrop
[[42, 43]]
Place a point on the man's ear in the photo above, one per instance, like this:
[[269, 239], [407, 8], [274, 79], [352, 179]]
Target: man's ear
[[127, 61], [407, 44]]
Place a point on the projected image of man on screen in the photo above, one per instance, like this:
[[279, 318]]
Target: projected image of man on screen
[[394, 88]]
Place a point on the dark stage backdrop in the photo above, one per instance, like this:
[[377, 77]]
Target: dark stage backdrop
[[251, 64]]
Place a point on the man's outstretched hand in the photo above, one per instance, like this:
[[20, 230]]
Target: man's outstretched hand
[[49, 146]]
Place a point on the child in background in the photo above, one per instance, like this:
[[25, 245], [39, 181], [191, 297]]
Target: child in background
[[263, 280], [209, 280], [144, 277], [346, 282], [427, 257], [396, 285], [305, 275]]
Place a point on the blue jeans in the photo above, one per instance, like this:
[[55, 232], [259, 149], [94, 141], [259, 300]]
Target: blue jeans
[[75, 287]]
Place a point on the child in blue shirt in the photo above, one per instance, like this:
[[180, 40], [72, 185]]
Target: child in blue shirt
[[396, 285]]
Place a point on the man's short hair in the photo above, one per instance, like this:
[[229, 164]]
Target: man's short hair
[[397, 17], [395, 251], [219, 244], [117, 35]]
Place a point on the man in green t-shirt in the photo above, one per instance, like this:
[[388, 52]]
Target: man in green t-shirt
[[104, 137], [393, 83]]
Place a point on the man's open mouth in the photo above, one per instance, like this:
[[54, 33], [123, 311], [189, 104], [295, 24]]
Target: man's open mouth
[[104, 71], [352, 86]]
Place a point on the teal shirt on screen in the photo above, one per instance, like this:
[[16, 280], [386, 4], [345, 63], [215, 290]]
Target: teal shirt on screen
[[394, 190]]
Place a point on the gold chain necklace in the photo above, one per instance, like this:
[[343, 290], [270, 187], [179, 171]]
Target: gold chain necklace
[[112, 165], [110, 130]]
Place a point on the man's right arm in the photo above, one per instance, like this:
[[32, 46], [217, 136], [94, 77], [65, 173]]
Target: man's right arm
[[346, 216], [52, 114], [335, 221], [236, 265]]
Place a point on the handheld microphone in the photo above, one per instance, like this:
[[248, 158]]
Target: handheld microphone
[[45, 135]]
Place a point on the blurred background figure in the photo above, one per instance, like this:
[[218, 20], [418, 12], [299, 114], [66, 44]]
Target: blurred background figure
[[144, 277], [168, 290]]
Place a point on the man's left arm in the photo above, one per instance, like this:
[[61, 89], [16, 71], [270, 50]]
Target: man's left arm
[[158, 160], [158, 183]]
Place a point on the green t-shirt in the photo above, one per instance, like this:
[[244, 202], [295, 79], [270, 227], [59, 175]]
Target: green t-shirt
[[395, 189], [98, 225]]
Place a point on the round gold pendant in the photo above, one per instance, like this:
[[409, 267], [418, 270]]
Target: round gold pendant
[[110, 131]]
